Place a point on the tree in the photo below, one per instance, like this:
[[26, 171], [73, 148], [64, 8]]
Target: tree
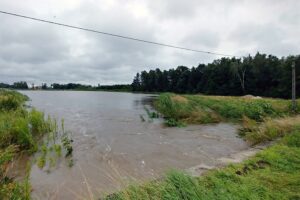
[[44, 86], [20, 85], [239, 70], [136, 84], [262, 75]]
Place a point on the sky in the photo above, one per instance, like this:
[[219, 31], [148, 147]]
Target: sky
[[37, 52]]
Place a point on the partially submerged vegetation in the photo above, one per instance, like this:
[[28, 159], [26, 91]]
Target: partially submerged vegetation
[[262, 119], [200, 109], [256, 114], [271, 174], [22, 131]]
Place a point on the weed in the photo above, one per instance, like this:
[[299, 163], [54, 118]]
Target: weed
[[174, 123], [52, 162], [57, 149], [67, 144], [70, 162], [63, 126], [142, 118], [151, 114], [41, 162]]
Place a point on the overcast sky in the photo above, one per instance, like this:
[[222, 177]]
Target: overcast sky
[[36, 52]]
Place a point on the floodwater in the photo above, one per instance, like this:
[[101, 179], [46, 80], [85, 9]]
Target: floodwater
[[114, 147]]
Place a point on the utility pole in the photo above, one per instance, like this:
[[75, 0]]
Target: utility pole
[[293, 87]]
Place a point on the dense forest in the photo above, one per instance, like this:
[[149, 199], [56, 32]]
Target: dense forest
[[259, 75]]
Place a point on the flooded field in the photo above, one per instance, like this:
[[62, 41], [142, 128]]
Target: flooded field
[[114, 147]]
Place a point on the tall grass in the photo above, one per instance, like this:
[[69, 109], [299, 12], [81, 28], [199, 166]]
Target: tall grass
[[23, 128], [20, 131], [57, 143], [200, 109], [270, 129], [11, 100], [177, 110], [9, 189]]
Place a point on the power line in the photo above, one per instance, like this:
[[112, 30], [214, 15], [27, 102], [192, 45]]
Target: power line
[[115, 35]]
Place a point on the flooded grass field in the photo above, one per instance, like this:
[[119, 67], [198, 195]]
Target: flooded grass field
[[114, 147]]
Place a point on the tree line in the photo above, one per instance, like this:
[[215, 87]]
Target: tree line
[[76, 86], [16, 85], [67, 86], [259, 75]]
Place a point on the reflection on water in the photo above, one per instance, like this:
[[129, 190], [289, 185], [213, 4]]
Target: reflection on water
[[113, 147]]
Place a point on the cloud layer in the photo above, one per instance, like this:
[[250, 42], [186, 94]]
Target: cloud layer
[[37, 52]]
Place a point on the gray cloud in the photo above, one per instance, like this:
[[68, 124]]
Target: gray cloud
[[37, 52]]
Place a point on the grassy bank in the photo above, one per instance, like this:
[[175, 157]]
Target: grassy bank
[[20, 131], [258, 116], [271, 174], [199, 109]]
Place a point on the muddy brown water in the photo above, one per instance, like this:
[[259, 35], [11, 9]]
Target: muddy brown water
[[113, 147]]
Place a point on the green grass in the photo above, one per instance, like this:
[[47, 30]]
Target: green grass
[[151, 114], [200, 109], [269, 129], [262, 119], [9, 189], [23, 128], [20, 131], [274, 173], [11, 100]]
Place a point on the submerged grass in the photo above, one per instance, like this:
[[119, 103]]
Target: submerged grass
[[271, 174], [151, 114], [57, 143], [21, 130]]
